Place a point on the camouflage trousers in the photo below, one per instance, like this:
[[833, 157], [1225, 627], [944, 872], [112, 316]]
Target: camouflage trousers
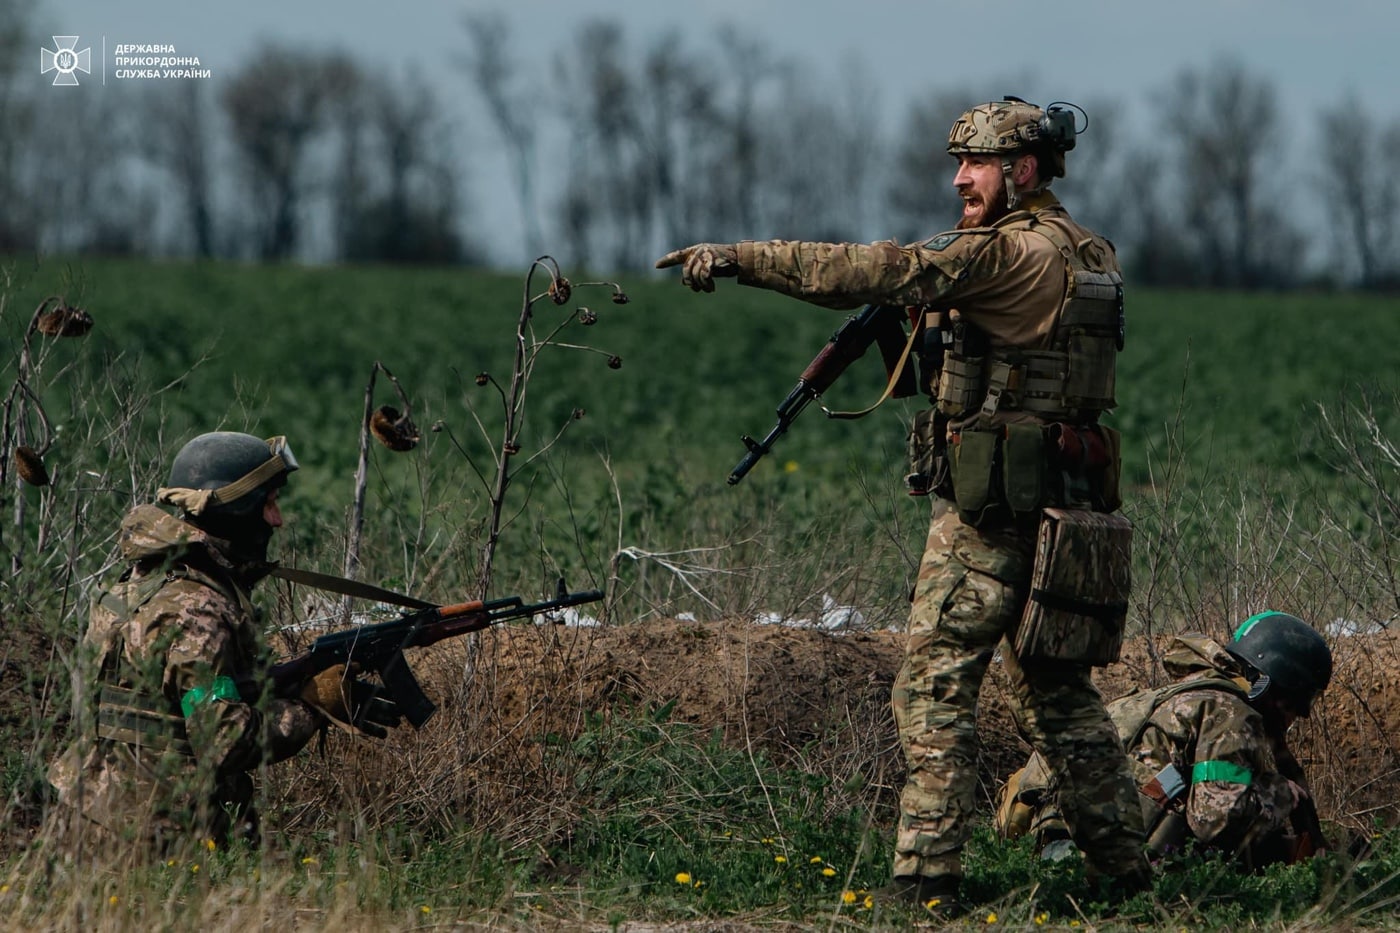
[[968, 601]]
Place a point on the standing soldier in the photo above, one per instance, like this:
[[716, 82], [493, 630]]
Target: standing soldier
[[170, 719], [1021, 314]]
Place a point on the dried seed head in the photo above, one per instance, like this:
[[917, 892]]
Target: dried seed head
[[620, 298], [614, 362], [30, 466], [587, 317], [393, 430], [578, 414], [64, 321], [560, 290], [483, 378]]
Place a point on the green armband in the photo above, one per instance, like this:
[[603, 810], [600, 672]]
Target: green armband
[[1221, 771], [223, 688]]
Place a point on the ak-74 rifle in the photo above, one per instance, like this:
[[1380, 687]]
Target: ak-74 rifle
[[379, 647], [878, 324]]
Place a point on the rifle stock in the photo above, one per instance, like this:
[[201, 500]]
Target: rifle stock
[[379, 647], [879, 324]]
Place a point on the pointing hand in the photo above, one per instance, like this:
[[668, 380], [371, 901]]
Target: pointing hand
[[702, 263]]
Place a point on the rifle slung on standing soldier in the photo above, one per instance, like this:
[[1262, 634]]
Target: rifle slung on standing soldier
[[877, 324]]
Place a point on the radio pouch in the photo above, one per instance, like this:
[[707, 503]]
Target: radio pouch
[[1079, 589]]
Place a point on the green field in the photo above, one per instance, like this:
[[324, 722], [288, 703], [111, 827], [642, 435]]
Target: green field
[[1213, 389]]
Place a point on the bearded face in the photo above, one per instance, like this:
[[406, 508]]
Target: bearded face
[[981, 186]]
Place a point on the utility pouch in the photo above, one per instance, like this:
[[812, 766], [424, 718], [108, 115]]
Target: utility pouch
[[1079, 589], [1023, 468], [973, 454], [923, 453], [1110, 497]]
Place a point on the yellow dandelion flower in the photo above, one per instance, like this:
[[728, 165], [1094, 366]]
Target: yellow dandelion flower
[[780, 859], [308, 861], [112, 900], [194, 869], [767, 840], [991, 918], [869, 901], [682, 877], [170, 864], [699, 884], [932, 903], [790, 467], [848, 897], [1074, 923], [4, 889], [209, 844], [829, 872], [1041, 917], [815, 860], [425, 910]]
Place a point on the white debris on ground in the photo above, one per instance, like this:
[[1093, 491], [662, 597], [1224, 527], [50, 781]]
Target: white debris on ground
[[1346, 628], [834, 617], [569, 617]]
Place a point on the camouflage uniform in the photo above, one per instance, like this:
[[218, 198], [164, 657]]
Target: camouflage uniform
[[1235, 799], [1009, 280], [164, 742]]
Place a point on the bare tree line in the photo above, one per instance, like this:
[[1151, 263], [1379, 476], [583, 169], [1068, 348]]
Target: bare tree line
[[618, 149]]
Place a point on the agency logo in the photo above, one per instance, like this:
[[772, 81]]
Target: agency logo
[[65, 60]]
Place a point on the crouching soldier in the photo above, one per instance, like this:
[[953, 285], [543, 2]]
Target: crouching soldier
[[1209, 751], [169, 713]]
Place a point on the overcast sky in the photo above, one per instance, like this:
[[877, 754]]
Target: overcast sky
[[1313, 52]]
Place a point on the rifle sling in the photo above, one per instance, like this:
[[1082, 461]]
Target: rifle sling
[[334, 584], [914, 332]]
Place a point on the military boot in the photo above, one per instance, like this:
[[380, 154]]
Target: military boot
[[934, 893]]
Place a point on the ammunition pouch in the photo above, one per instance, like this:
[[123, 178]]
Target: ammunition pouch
[[140, 720], [1079, 589], [1008, 474], [961, 386]]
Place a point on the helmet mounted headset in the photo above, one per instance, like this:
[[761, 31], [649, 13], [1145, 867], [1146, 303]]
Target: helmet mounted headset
[[1012, 127]]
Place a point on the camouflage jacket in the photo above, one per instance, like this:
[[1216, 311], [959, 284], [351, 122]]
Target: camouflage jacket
[[1203, 726], [1235, 794], [163, 739], [1003, 278]]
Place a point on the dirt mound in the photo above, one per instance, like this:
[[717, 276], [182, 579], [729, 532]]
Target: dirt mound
[[498, 754], [812, 697]]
